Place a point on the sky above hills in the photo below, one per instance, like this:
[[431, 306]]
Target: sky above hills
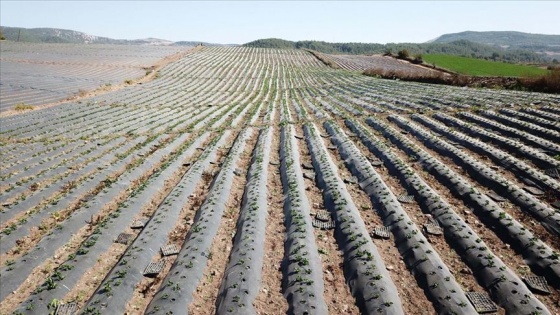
[[243, 21]]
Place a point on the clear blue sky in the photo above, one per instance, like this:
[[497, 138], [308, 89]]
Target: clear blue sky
[[243, 21]]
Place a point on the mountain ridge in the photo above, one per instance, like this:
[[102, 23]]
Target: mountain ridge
[[57, 35], [508, 40]]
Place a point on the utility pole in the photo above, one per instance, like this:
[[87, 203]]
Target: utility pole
[[18, 35]]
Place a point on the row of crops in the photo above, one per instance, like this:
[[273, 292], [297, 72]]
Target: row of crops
[[387, 65], [260, 181], [36, 74]]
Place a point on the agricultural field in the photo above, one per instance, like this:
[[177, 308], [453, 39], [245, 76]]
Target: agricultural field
[[379, 62], [261, 181], [479, 67], [35, 74]]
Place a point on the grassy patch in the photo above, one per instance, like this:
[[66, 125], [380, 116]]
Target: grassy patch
[[479, 67]]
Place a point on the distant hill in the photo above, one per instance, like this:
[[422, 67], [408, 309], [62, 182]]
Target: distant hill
[[194, 43], [462, 48], [55, 35], [276, 43], [539, 43]]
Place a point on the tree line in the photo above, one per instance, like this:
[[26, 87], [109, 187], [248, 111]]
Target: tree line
[[462, 48]]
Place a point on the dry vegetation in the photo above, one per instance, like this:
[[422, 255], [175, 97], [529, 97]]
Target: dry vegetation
[[549, 83]]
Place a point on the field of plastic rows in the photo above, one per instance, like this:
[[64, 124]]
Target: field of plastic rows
[[260, 181], [35, 74]]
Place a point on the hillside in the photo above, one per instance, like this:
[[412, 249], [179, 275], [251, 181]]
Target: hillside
[[538, 43], [55, 35], [195, 43], [458, 48]]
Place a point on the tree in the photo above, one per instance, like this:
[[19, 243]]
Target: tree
[[2, 35]]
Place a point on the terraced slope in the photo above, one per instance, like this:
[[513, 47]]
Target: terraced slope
[[260, 181]]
